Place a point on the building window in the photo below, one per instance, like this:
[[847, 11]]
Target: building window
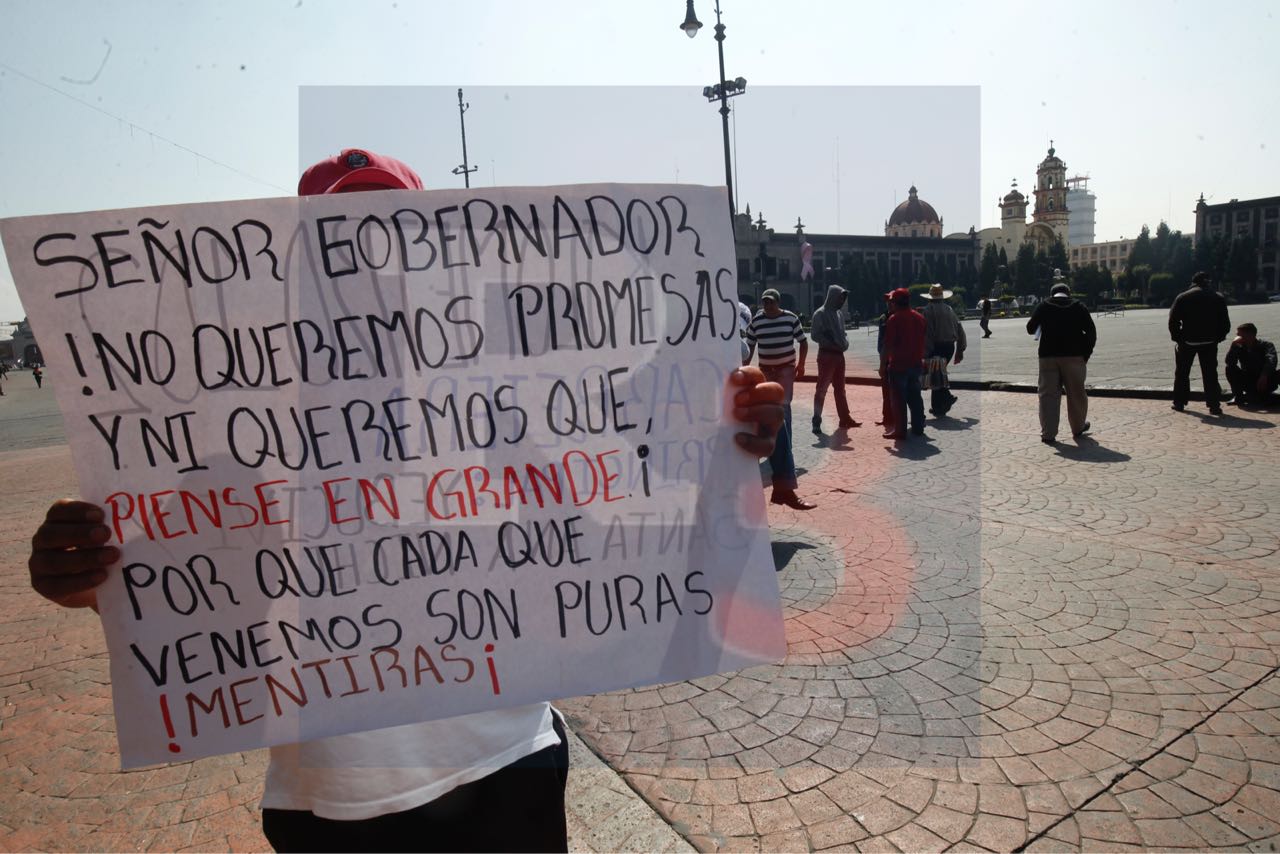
[[784, 269], [913, 233], [1272, 213], [1215, 219]]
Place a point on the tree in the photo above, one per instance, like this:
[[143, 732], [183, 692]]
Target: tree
[[1162, 288], [1139, 279], [1024, 270], [988, 269], [1058, 256], [924, 275], [1141, 252], [1242, 265], [1162, 247], [1092, 282]]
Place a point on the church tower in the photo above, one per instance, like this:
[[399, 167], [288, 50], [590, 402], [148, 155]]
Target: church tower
[[1051, 194], [1013, 220]]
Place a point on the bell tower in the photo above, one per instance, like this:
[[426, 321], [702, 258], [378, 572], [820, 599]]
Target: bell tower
[[1051, 194]]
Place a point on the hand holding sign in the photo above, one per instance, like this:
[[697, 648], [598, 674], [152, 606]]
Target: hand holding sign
[[380, 458]]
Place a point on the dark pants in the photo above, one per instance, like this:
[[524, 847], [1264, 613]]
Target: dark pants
[[781, 462], [1183, 355], [941, 399], [1244, 384], [830, 373], [985, 323], [886, 403], [516, 808], [906, 395]]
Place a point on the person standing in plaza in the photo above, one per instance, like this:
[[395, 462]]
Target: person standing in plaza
[[774, 331], [886, 388], [1067, 339], [1198, 323], [38, 376], [901, 361], [1251, 367], [985, 322], [829, 334], [943, 338]]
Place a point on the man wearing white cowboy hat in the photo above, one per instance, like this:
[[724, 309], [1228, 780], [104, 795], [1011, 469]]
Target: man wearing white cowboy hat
[[943, 338]]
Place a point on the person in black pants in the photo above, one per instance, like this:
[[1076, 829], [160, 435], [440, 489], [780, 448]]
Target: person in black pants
[[1251, 367], [1198, 323]]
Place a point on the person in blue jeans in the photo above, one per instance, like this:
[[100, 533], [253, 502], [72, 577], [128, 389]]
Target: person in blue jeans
[[901, 362], [776, 334]]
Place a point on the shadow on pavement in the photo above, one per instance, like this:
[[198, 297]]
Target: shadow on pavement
[[946, 422], [1087, 450], [915, 448], [785, 550], [1230, 419]]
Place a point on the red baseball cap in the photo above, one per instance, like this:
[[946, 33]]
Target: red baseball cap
[[357, 166], [900, 295]]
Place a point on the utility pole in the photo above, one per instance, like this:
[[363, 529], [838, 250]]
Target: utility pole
[[465, 169]]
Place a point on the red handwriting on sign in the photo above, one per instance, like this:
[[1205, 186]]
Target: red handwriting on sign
[[577, 478], [174, 513], [386, 669]]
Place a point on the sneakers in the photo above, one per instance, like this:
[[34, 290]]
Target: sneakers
[[1082, 430], [817, 426]]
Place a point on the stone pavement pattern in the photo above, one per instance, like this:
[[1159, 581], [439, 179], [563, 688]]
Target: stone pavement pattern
[[996, 644]]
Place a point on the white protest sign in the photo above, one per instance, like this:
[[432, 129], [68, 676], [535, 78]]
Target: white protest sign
[[386, 457]]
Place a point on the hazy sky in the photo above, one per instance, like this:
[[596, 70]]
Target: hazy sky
[[106, 105]]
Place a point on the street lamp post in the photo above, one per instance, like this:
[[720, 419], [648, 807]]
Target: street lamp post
[[465, 169], [722, 91]]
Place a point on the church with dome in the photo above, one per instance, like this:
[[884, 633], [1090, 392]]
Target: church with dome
[[913, 218], [1050, 218], [913, 249]]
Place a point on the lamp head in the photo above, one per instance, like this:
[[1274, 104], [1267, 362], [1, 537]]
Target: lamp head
[[691, 23]]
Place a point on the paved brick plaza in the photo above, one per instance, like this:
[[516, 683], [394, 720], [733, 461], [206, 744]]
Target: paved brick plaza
[[992, 643], [995, 644]]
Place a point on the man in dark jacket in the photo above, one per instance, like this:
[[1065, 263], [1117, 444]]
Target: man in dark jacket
[[1067, 339], [827, 331], [1251, 367], [1198, 322]]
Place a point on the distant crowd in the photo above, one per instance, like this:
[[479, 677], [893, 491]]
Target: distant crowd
[[916, 347]]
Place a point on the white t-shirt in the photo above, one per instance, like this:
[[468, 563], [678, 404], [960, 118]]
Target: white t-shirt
[[367, 774]]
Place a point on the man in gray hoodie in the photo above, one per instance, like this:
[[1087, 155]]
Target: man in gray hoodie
[[828, 333]]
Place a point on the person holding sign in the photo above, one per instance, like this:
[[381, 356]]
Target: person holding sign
[[492, 780]]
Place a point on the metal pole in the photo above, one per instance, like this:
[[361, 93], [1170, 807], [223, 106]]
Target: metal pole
[[465, 169], [724, 111]]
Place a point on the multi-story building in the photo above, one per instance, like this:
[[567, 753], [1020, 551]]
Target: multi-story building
[[912, 244], [1257, 218], [1107, 254], [1084, 207]]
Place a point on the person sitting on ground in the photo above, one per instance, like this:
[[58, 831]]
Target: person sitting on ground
[[487, 781], [1251, 367]]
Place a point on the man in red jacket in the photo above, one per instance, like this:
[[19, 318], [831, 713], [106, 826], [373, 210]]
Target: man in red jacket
[[901, 359]]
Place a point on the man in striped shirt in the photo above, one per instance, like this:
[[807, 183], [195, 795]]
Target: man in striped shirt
[[774, 332]]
